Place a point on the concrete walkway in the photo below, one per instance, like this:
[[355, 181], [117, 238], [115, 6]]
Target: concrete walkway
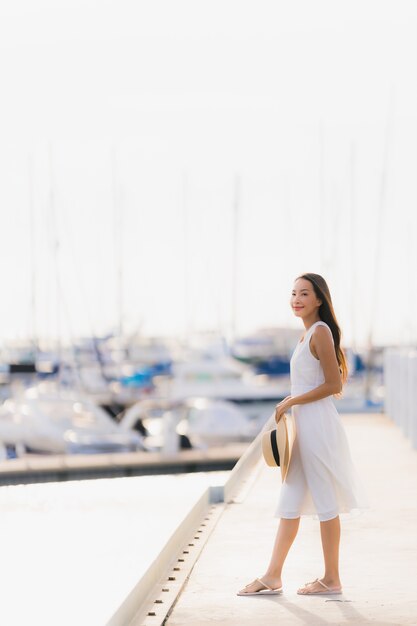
[[71, 552], [378, 551]]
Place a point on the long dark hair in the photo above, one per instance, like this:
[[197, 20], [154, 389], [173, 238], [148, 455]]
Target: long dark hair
[[327, 314]]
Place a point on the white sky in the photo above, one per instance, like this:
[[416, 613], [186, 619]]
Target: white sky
[[307, 102]]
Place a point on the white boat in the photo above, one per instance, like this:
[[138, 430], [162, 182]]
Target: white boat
[[208, 422], [203, 422], [62, 422], [221, 379]]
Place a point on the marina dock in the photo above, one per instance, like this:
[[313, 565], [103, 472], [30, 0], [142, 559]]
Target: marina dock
[[378, 550], [174, 549], [57, 468]]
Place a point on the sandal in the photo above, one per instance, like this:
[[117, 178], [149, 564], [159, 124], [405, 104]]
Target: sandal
[[325, 591], [268, 591]]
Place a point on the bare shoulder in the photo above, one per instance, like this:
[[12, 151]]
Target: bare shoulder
[[322, 339], [323, 333]]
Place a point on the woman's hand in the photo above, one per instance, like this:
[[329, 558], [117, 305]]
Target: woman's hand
[[282, 407]]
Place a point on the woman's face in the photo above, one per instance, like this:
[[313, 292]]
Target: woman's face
[[304, 301]]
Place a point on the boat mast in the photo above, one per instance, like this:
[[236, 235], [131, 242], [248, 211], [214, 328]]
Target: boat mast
[[33, 303], [352, 214], [55, 253], [322, 200], [118, 244], [235, 243], [378, 249], [184, 201]]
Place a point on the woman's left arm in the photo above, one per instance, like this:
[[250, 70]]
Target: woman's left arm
[[321, 343]]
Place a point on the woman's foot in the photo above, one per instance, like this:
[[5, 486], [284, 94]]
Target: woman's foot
[[323, 586], [271, 582]]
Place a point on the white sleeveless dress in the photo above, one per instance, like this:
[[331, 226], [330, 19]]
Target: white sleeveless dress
[[321, 479]]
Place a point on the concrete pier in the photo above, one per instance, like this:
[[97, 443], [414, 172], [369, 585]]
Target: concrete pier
[[58, 468], [378, 549]]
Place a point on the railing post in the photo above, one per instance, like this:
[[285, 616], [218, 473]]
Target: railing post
[[412, 397], [400, 379]]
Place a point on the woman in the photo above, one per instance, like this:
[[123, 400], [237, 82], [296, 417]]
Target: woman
[[321, 478]]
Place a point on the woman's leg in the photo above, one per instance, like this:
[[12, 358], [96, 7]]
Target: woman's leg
[[330, 540], [287, 532]]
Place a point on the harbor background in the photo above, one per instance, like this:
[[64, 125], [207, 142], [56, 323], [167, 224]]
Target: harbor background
[[166, 170], [151, 146]]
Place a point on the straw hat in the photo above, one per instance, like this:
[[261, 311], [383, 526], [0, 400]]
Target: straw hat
[[277, 444]]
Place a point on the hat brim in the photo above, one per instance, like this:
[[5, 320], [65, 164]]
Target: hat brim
[[277, 444]]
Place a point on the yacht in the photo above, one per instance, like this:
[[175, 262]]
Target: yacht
[[62, 422], [195, 422]]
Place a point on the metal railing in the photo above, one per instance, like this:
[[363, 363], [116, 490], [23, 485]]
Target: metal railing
[[400, 377]]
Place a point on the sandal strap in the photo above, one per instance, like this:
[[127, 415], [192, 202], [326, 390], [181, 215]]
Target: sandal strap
[[249, 584], [259, 581], [322, 584], [264, 584]]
